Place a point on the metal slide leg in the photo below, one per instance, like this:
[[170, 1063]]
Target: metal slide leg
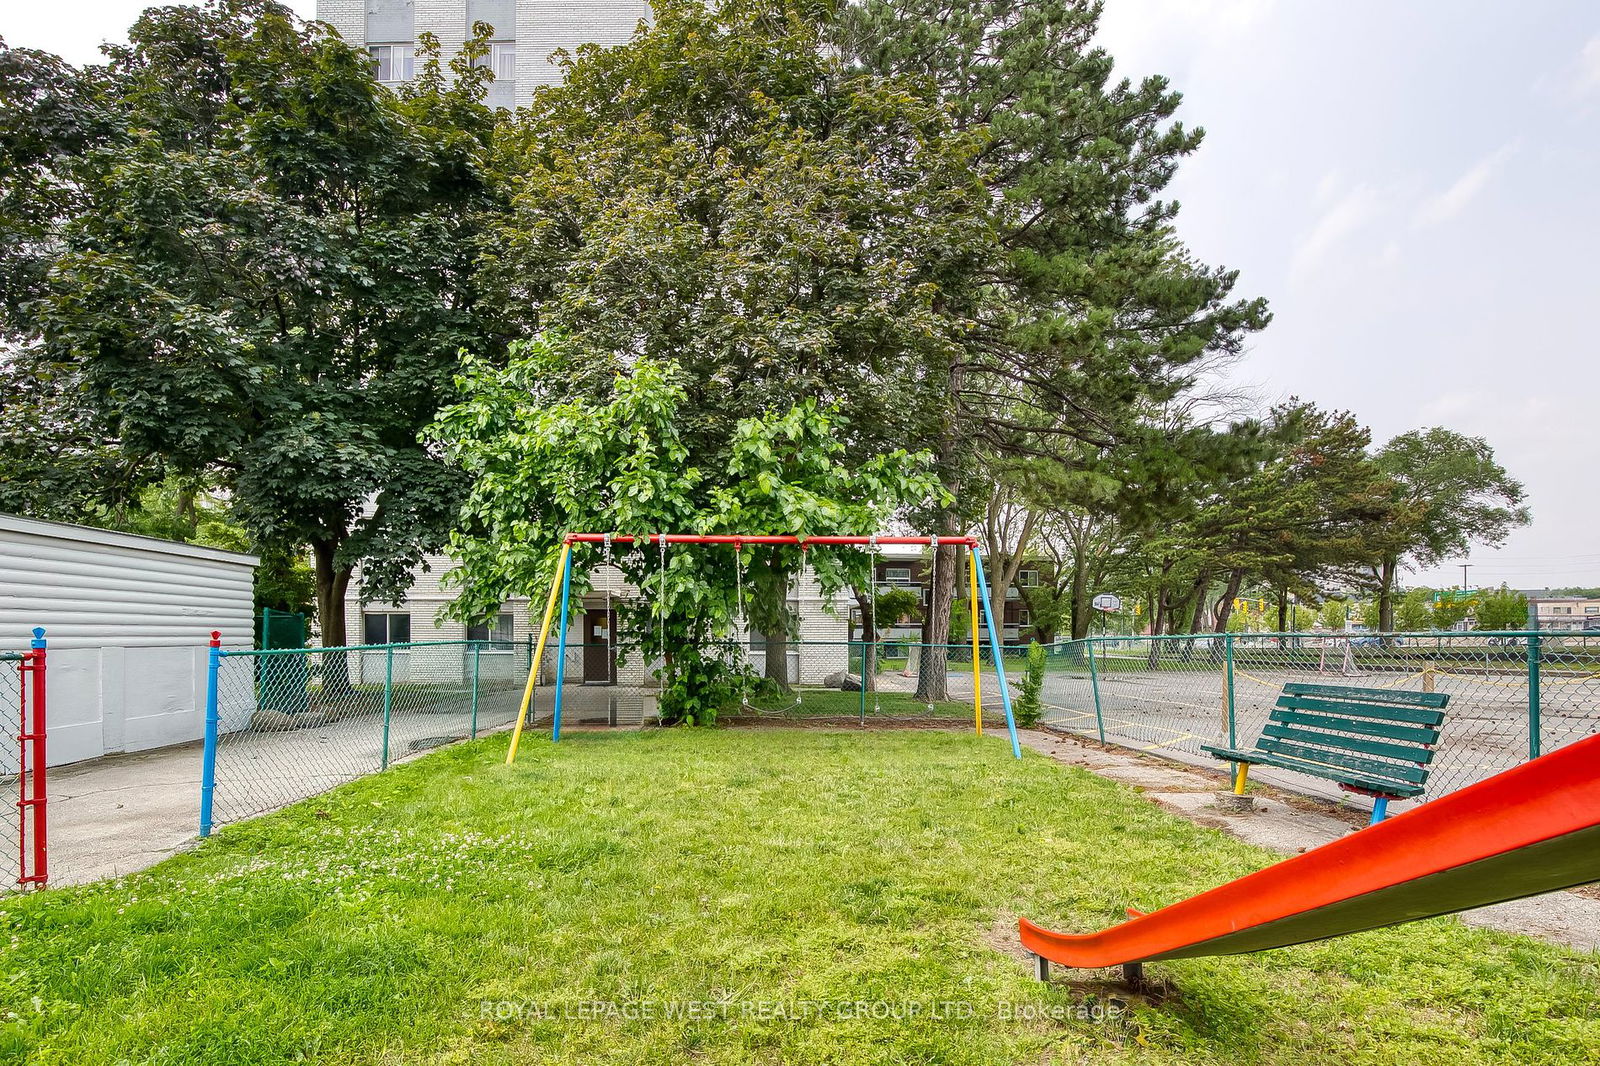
[[1041, 967], [1380, 809], [1133, 974]]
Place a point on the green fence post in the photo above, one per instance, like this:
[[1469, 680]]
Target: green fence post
[[477, 654], [1227, 654], [1533, 697], [388, 700], [1094, 684]]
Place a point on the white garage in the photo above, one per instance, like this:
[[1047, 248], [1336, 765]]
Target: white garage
[[126, 619]]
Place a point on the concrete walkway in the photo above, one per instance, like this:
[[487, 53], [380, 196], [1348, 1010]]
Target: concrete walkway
[[1289, 824], [119, 814]]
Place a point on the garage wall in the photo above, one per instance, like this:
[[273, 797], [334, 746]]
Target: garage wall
[[127, 619]]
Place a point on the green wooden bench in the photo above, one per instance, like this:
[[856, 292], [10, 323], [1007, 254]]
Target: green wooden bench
[[1372, 741]]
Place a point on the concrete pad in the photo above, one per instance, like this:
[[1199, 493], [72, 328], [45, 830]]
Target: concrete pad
[[122, 813], [1269, 824]]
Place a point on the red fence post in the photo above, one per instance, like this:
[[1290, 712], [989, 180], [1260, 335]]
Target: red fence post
[[33, 798]]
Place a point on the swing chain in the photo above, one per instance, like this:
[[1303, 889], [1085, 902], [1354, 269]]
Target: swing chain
[[933, 603]]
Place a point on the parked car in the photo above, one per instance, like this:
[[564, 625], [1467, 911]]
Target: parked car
[[1376, 642], [1509, 642]]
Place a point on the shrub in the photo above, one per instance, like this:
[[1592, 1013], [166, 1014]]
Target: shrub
[[1029, 710]]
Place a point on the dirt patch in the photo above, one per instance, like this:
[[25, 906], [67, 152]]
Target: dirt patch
[[1002, 936]]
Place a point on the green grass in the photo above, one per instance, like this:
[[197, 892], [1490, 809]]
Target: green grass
[[762, 869]]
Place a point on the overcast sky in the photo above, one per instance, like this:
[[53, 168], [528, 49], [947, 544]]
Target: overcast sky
[[1415, 187]]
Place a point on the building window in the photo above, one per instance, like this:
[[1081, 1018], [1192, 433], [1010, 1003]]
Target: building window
[[1591, 610], [394, 63], [501, 60], [385, 628], [1023, 618], [1028, 579], [897, 575], [499, 636]]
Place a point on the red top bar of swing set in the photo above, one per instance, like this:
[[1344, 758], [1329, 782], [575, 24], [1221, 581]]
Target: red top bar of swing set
[[691, 538]]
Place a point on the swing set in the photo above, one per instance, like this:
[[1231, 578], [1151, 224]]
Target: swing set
[[561, 592]]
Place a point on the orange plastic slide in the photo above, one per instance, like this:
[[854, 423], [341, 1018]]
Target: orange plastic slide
[[1532, 829]]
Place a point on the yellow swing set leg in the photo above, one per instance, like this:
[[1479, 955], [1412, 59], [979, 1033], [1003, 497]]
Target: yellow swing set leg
[[977, 665], [533, 667], [1239, 778]]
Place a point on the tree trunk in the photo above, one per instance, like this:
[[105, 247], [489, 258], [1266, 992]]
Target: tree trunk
[[1080, 597], [1224, 609], [1386, 596], [333, 583], [933, 670], [866, 600], [771, 617]]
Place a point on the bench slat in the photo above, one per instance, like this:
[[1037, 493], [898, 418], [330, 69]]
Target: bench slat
[[1415, 715], [1404, 752], [1435, 700], [1369, 767], [1394, 789], [1389, 730]]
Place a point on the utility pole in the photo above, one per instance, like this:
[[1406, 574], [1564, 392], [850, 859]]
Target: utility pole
[[1464, 576]]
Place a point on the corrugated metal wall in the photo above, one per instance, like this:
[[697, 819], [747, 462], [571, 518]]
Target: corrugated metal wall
[[127, 619], [91, 588]]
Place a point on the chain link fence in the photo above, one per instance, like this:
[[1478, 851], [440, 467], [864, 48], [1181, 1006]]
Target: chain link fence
[[11, 729], [23, 804], [291, 723], [1513, 696]]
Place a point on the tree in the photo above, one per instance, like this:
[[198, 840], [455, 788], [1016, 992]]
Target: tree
[[1080, 309], [1414, 613], [761, 224], [271, 275], [546, 462], [1502, 609], [1333, 614], [1449, 493]]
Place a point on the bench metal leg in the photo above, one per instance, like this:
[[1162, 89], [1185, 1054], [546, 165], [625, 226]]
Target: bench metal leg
[[1380, 809], [1239, 778], [1041, 967]]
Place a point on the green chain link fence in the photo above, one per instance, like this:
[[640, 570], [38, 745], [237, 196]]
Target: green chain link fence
[[1513, 695]]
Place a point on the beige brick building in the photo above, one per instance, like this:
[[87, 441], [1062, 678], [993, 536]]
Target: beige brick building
[[526, 33]]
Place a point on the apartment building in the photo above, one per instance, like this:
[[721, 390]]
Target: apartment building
[[526, 33]]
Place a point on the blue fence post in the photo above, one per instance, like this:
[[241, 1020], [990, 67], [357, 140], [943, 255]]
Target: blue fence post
[[388, 700], [477, 654], [561, 649], [1534, 724], [1227, 654], [208, 764], [999, 660], [1094, 684]]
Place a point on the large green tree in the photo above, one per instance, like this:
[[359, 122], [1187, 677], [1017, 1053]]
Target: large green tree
[[1448, 494], [545, 464], [1081, 308], [270, 274]]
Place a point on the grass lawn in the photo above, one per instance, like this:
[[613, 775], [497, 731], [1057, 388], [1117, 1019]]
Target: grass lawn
[[599, 900]]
